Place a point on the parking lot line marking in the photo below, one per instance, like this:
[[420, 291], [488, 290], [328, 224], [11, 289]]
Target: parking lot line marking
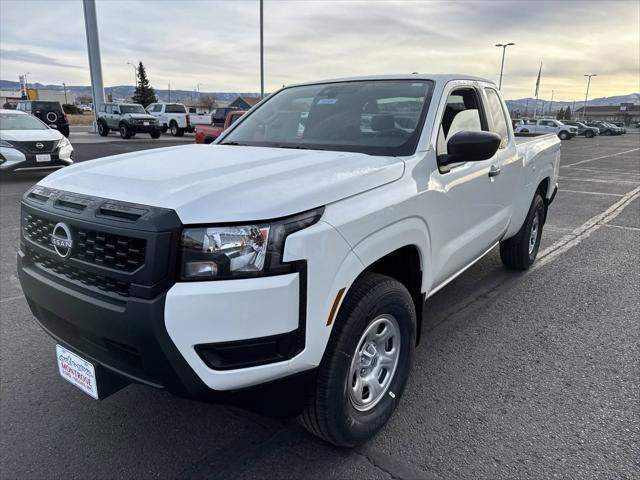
[[567, 242], [562, 190], [623, 227], [601, 170], [595, 180], [600, 158]]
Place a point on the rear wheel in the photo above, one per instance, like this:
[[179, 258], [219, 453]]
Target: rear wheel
[[176, 131], [103, 130], [366, 364], [125, 133], [519, 252]]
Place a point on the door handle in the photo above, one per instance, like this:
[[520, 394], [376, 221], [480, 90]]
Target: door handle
[[494, 171]]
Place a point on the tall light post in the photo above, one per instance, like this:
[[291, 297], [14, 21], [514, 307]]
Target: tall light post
[[586, 95], [198, 87], [504, 49], [64, 85], [261, 53], [135, 74]]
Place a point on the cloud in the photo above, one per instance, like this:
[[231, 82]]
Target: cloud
[[216, 43], [30, 57]]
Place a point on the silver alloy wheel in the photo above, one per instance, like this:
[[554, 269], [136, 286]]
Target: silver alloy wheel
[[533, 237], [174, 130], [374, 363]]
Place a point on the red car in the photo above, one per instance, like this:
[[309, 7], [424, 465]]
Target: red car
[[208, 133]]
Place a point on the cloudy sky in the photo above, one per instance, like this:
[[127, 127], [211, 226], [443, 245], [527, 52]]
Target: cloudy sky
[[216, 43]]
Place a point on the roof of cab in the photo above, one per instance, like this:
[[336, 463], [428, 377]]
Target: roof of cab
[[440, 78]]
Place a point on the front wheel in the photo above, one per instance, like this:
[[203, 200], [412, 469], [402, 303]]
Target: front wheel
[[519, 252], [155, 134], [125, 133], [103, 130], [366, 363], [589, 134], [563, 135]]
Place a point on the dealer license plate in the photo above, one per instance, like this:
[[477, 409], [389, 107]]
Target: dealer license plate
[[43, 157], [77, 370]]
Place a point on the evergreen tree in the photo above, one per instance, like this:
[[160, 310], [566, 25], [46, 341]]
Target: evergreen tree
[[145, 95], [567, 113], [560, 115]]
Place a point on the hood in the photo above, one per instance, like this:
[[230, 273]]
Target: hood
[[140, 116], [30, 135], [217, 183]]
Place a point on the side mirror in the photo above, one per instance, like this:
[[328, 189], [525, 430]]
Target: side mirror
[[468, 146]]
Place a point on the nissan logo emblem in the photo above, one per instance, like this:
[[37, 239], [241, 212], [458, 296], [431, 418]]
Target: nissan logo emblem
[[40, 145], [62, 240]]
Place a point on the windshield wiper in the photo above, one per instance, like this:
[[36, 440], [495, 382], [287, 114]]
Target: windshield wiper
[[234, 144], [298, 147]]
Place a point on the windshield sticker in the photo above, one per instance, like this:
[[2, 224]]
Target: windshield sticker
[[327, 101]]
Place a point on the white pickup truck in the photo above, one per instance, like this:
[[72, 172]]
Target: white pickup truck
[[173, 117], [303, 243], [545, 126]]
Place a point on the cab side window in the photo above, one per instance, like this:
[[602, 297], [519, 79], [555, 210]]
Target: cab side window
[[498, 117], [109, 108], [462, 113]]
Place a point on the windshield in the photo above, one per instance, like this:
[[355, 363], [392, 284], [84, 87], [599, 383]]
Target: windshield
[[16, 121], [175, 108], [376, 117], [131, 109]]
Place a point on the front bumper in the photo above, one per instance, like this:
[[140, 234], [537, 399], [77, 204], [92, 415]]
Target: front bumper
[[135, 128], [17, 160]]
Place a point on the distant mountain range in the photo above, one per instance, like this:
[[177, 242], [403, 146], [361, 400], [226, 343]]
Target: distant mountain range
[[529, 103], [126, 91], [121, 92]]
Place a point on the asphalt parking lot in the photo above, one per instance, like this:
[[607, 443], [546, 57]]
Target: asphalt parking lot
[[530, 375]]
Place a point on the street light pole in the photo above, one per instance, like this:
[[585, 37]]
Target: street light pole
[[261, 52], [64, 85], [586, 95], [504, 49], [135, 74]]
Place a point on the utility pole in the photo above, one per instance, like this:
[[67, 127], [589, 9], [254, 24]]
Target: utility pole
[[526, 108], [261, 52], [64, 85], [169, 88], [93, 47], [551, 104], [504, 49], [135, 74], [586, 95]]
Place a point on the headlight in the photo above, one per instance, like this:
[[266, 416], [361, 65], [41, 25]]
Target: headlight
[[64, 142], [4, 143], [239, 251]]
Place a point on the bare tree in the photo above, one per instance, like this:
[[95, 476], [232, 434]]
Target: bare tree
[[208, 102]]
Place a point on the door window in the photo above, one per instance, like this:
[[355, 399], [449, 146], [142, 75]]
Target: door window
[[498, 117], [109, 109], [462, 113]]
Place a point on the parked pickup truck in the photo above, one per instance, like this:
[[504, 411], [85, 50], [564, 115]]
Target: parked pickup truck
[[288, 249], [544, 126], [172, 117], [208, 133]]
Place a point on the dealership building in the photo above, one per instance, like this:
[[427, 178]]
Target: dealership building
[[625, 112]]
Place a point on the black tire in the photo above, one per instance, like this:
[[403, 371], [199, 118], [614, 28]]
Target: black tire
[[176, 131], [330, 413], [589, 134], [516, 252], [64, 130], [103, 130], [607, 133], [163, 129], [563, 135], [125, 133], [155, 134]]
